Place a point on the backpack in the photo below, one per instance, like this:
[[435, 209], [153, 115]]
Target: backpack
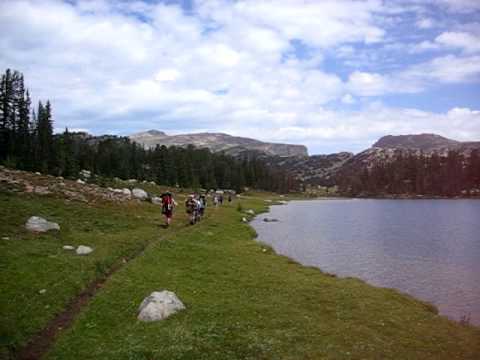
[[167, 202]]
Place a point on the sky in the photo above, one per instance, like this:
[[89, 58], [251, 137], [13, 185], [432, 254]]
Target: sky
[[332, 75]]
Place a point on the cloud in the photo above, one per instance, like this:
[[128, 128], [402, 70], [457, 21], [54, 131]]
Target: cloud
[[269, 69], [425, 23]]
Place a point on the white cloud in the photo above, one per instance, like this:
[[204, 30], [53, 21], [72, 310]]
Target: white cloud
[[225, 66], [469, 43], [425, 23]]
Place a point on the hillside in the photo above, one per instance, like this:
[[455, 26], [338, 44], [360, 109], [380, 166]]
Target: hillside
[[216, 142]]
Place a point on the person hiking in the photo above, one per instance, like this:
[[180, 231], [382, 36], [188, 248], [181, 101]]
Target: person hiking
[[191, 207], [203, 204], [168, 203]]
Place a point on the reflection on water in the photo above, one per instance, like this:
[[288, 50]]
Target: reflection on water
[[427, 248]]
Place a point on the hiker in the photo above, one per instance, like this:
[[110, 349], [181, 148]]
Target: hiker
[[203, 204], [191, 206], [168, 203], [215, 200]]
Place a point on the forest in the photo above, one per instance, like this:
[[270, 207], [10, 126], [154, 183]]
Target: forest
[[456, 174], [28, 142]]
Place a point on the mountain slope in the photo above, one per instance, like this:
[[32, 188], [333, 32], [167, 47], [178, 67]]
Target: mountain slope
[[216, 142]]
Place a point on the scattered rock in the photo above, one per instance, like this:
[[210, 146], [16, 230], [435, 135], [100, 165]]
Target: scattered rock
[[139, 194], [159, 305], [68, 247], [132, 181], [80, 181], [41, 190], [127, 192], [244, 220], [37, 173], [270, 220], [5, 238], [43, 291], [250, 212], [83, 250], [86, 174], [156, 200], [39, 224]]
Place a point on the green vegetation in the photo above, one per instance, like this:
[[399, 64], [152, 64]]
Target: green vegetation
[[27, 142], [243, 301]]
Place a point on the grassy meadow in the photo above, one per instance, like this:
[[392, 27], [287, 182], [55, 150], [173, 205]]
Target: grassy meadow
[[243, 301]]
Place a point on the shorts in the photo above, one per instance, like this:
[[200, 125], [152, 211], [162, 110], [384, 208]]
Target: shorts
[[168, 213]]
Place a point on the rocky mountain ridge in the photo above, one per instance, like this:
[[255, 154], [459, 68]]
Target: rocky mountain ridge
[[217, 142]]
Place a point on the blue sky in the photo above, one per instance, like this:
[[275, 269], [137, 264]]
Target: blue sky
[[333, 75]]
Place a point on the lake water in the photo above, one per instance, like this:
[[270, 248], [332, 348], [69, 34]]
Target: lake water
[[427, 248]]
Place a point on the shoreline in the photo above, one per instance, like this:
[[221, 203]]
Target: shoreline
[[401, 292]]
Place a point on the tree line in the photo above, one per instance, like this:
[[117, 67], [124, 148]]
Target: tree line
[[456, 174], [27, 142]]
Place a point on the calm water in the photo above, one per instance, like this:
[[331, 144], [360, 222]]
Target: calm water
[[427, 248]]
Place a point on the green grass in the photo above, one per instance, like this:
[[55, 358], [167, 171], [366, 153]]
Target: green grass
[[243, 301]]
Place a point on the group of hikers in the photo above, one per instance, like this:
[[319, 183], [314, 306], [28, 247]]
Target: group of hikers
[[195, 205]]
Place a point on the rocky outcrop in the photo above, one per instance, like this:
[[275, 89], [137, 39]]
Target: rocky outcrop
[[159, 305], [40, 225]]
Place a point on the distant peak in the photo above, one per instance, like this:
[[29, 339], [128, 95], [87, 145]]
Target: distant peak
[[416, 141]]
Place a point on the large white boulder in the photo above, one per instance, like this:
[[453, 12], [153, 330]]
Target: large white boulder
[[39, 224], [83, 250], [139, 194], [126, 192], [159, 305], [157, 200]]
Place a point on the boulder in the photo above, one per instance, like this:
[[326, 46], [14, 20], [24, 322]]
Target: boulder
[[250, 212], [83, 250], [159, 305], [244, 220], [139, 194], [86, 174], [80, 181], [157, 200], [37, 173], [68, 247], [41, 190], [39, 224], [127, 192]]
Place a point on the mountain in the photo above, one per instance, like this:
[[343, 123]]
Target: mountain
[[413, 164], [423, 142], [313, 170], [216, 142]]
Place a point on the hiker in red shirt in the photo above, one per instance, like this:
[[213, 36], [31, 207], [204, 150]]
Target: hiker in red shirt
[[168, 203]]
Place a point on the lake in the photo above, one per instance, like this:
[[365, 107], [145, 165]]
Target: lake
[[429, 249]]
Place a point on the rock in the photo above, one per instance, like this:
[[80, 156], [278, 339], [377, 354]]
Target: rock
[[41, 190], [156, 200], [60, 178], [159, 305], [86, 174], [39, 224], [268, 200], [127, 192], [139, 194], [83, 250], [244, 220], [68, 247], [132, 181], [80, 181], [250, 212], [37, 173], [5, 238], [43, 291], [29, 188], [270, 220]]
